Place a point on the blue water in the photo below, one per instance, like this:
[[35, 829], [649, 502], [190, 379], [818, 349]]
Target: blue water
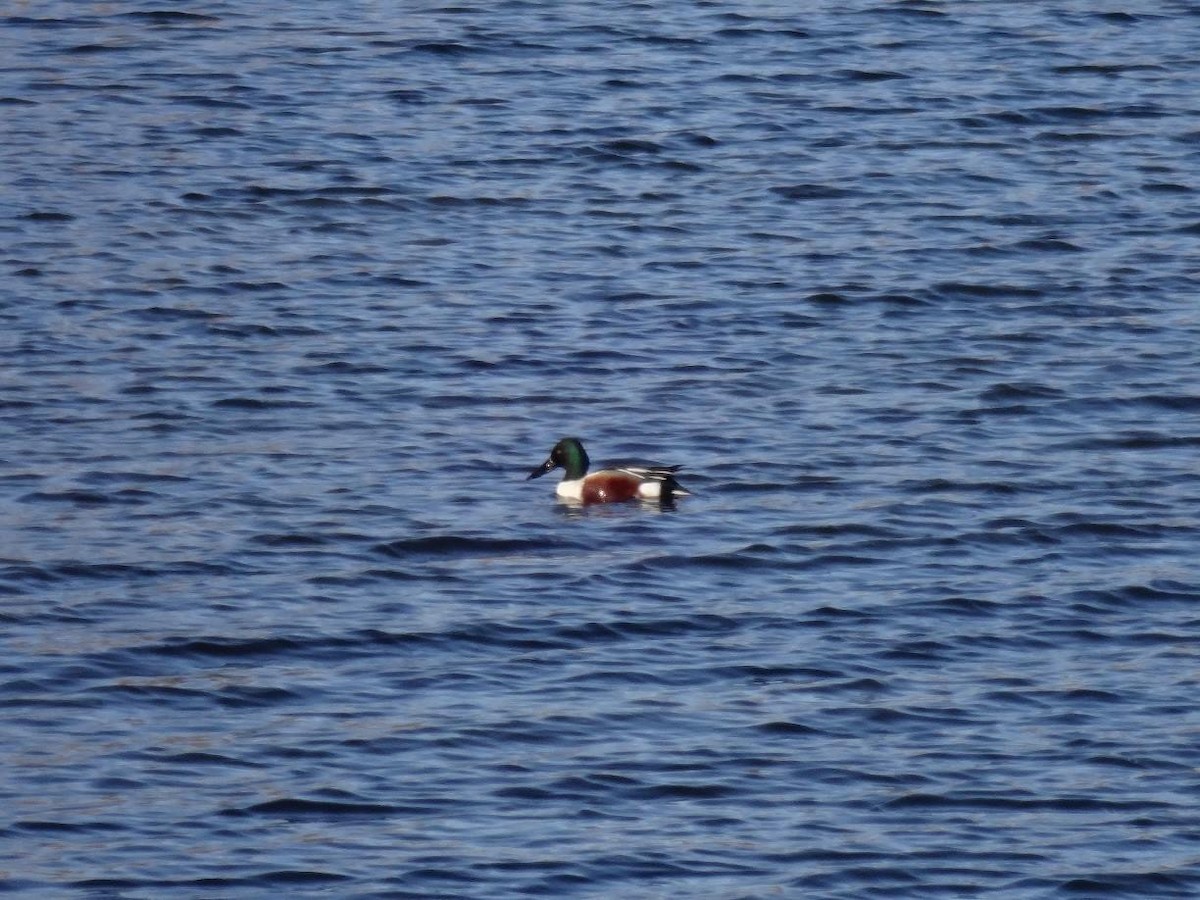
[[294, 295]]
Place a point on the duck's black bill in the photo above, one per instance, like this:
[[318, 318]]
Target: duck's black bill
[[542, 469]]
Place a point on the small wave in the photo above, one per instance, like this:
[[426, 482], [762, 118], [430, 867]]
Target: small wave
[[409, 96], [229, 648], [1049, 245], [277, 879], [254, 404], [788, 729], [80, 497], [170, 17], [1110, 530], [800, 192], [864, 685], [453, 545], [28, 573], [173, 313], [1132, 440], [1014, 698], [1172, 402], [43, 826], [340, 367], [622, 676], [629, 145], [1137, 885], [289, 808], [831, 561], [918, 651], [485, 200], [945, 485], [201, 758], [978, 290], [803, 482], [206, 102], [48, 216], [677, 626], [683, 792], [766, 674], [837, 530], [1139, 594], [973, 607], [1025, 390], [290, 540], [367, 576], [1016, 801], [231, 697], [871, 75], [445, 48]]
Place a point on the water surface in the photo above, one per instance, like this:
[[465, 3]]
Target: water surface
[[292, 298]]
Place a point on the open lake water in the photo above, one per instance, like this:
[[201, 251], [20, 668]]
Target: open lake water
[[293, 296]]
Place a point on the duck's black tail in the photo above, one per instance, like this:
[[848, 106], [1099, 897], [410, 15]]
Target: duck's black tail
[[671, 488]]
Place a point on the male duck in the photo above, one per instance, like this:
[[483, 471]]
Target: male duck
[[611, 485]]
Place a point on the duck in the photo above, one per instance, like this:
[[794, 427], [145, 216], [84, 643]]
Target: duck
[[614, 484]]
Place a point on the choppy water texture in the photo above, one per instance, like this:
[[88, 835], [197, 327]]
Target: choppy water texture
[[294, 295]]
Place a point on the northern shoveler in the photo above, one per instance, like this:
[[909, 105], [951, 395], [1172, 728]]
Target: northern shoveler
[[609, 485]]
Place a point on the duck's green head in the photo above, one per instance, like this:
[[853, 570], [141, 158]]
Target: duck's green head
[[569, 454]]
